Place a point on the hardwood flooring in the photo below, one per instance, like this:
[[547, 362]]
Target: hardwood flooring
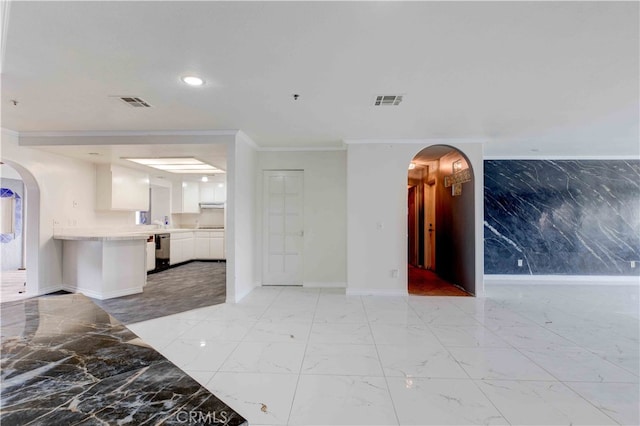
[[423, 282], [182, 288]]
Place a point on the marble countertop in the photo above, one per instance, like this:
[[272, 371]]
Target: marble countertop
[[66, 361]]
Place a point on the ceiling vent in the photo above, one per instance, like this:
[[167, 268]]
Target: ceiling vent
[[135, 102], [388, 100]]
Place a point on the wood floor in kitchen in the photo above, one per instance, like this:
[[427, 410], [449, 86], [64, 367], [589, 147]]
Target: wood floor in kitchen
[[423, 282], [182, 288]]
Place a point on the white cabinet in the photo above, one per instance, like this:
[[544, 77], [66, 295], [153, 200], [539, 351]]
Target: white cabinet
[[151, 256], [120, 188], [185, 197], [214, 191], [181, 247], [209, 244]]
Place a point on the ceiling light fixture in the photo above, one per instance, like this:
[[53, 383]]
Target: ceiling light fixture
[[192, 80], [186, 165], [412, 166], [205, 179]]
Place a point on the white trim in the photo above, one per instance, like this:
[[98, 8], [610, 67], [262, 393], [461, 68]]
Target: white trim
[[106, 295], [561, 157], [302, 148], [438, 141], [47, 290], [238, 297], [245, 138], [561, 279], [10, 132], [324, 284], [375, 292], [117, 133]]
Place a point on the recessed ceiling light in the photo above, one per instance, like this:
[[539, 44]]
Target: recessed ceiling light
[[205, 179], [412, 166], [192, 80]]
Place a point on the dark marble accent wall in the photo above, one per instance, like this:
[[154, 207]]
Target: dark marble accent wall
[[569, 217]]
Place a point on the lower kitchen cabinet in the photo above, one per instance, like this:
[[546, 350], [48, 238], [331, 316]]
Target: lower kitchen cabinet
[[182, 247], [209, 244]]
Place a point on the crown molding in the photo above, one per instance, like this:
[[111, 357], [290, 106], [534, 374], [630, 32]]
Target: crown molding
[[428, 141]]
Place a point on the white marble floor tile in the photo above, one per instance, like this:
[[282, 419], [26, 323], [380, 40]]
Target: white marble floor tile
[[578, 365], [341, 359], [419, 361], [467, 337], [621, 401], [453, 319], [161, 328], [341, 313], [265, 357], [531, 336], [341, 333], [262, 399], [401, 334], [218, 330], [400, 315], [420, 401], [229, 312], [267, 331], [342, 400], [198, 355], [541, 403], [385, 303], [498, 363], [501, 317], [293, 313]]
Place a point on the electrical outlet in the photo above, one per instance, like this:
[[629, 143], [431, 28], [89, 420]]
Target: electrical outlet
[[75, 204], [520, 263], [56, 222], [633, 263]]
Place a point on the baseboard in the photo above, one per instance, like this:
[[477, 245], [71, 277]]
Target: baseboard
[[103, 296], [375, 292], [239, 296], [43, 291], [561, 280], [324, 284]]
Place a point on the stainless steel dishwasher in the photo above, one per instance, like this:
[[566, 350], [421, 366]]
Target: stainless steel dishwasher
[[163, 251]]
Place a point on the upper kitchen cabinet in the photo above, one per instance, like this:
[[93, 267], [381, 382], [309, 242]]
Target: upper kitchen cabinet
[[185, 197], [214, 191], [120, 188]]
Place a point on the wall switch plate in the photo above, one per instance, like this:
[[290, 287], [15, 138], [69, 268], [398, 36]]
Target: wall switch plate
[[520, 263]]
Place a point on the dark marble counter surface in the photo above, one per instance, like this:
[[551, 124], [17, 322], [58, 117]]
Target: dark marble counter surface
[[65, 361]]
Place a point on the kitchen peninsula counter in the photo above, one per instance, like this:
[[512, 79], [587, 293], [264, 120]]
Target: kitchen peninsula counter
[[66, 361]]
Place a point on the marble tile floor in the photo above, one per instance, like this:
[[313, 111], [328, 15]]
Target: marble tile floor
[[178, 289], [536, 355]]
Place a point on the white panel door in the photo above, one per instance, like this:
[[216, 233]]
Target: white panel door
[[283, 228]]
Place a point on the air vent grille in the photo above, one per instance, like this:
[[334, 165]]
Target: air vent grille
[[383, 100], [135, 102]]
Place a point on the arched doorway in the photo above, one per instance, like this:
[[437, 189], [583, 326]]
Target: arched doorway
[[30, 227], [441, 223]]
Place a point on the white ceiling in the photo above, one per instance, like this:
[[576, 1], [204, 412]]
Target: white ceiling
[[561, 78]]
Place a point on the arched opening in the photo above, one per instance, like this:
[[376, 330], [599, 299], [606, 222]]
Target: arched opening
[[441, 223], [29, 229]]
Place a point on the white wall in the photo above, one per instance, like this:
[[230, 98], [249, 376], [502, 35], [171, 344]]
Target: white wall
[[67, 197], [325, 222], [377, 213], [242, 163]]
